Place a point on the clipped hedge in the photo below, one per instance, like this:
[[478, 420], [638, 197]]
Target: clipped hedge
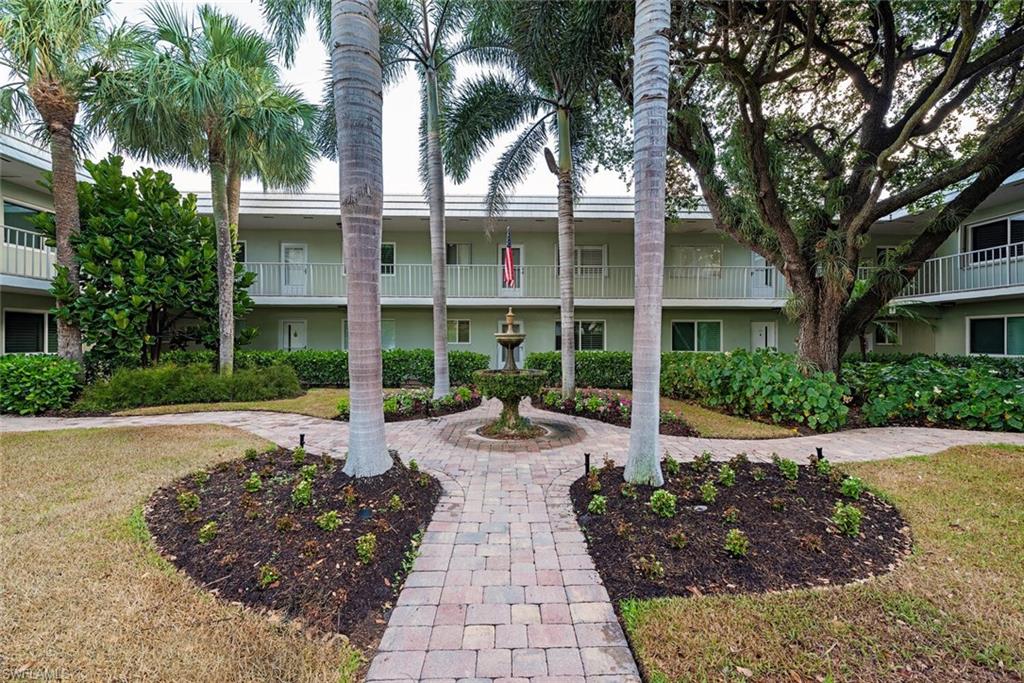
[[31, 384], [174, 384], [961, 393], [318, 368], [594, 369], [1007, 367], [764, 385]]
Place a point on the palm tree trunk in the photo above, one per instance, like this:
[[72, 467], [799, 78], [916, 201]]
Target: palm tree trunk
[[225, 260], [358, 97], [566, 254], [438, 265], [65, 205], [234, 190], [650, 138]]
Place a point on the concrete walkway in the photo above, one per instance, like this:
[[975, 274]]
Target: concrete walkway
[[504, 589]]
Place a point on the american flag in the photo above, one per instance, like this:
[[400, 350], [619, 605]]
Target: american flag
[[509, 269]]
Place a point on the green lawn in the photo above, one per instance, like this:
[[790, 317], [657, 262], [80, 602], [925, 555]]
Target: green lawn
[[315, 402], [85, 596], [953, 611]]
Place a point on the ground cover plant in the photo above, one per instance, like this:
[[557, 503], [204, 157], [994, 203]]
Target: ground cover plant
[[293, 533], [952, 611], [320, 402], [607, 406], [31, 383], [747, 528], [172, 384], [77, 522], [414, 404]]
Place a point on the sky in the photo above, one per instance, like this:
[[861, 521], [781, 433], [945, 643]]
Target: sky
[[401, 125]]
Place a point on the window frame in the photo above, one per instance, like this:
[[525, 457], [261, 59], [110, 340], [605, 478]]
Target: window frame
[[469, 246], [586, 271], [242, 245], [684, 271], [721, 334], [469, 331], [393, 264], [894, 325], [46, 331], [1006, 332], [578, 332], [966, 241]]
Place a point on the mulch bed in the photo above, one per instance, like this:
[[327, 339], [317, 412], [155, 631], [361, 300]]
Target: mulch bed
[[792, 547], [677, 427], [322, 582], [423, 410]]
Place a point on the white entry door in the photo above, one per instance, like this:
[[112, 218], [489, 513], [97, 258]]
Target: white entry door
[[502, 353], [762, 278], [295, 277], [516, 288], [764, 335], [293, 335]]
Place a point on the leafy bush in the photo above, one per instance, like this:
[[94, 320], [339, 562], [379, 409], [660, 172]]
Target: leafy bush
[[852, 487], [950, 391], [395, 503], [172, 384], [708, 492], [406, 403], [663, 503], [787, 468], [651, 568], [254, 483], [506, 386], [302, 493], [328, 521], [763, 384], [31, 384], [330, 367], [847, 518], [596, 369], [677, 540], [366, 548], [188, 501], [736, 543], [598, 505], [267, 575], [726, 476], [207, 532], [1007, 367]]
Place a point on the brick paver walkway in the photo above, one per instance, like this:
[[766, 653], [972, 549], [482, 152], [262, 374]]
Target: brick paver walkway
[[504, 589]]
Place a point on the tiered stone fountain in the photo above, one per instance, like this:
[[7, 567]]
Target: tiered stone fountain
[[510, 385]]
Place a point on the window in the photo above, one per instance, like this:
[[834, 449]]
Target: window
[[589, 335], [460, 254], [29, 332], [26, 234], [996, 239], [887, 333], [998, 336], [240, 251], [458, 331], [387, 334], [693, 261], [387, 258], [696, 335], [589, 260]]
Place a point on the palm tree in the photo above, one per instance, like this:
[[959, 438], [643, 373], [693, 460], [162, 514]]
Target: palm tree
[[650, 139], [207, 95], [542, 93], [57, 52]]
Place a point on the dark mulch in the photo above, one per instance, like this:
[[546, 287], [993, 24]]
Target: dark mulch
[[424, 409], [322, 583], [797, 546], [677, 426]]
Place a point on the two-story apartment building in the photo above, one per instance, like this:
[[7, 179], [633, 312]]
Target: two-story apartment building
[[718, 295]]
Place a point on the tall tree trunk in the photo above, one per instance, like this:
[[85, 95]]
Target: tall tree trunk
[[358, 98], [225, 260], [65, 205], [566, 254], [234, 190], [650, 139], [819, 341], [438, 260]]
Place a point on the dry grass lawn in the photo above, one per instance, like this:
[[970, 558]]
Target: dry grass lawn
[[954, 611], [84, 595], [315, 402]]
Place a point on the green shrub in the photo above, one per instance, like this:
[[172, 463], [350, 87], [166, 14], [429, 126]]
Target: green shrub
[[852, 487], [508, 387], [671, 466], [408, 402], [308, 471], [736, 543], [207, 532], [254, 483], [663, 503], [726, 476], [628, 491], [596, 369], [298, 455], [677, 540], [200, 477], [651, 568], [267, 575], [708, 492], [366, 548], [847, 518], [328, 521], [787, 468], [172, 384], [598, 505], [302, 493], [702, 462], [188, 501], [731, 515], [395, 503], [31, 384]]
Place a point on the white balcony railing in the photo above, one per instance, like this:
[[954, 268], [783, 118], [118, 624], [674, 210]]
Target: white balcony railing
[[24, 253]]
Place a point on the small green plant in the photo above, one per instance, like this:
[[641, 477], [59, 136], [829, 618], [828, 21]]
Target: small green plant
[[663, 503], [777, 504], [731, 515], [598, 505], [366, 548], [207, 532], [852, 487], [299, 455], [267, 575], [251, 454], [739, 460], [395, 503], [608, 465], [847, 518], [188, 501], [671, 466], [702, 462], [677, 540], [302, 494], [593, 483], [254, 483], [328, 521], [651, 568], [349, 495], [708, 492], [423, 480], [759, 474], [736, 543], [822, 466], [414, 466], [726, 476], [201, 478], [628, 491], [308, 472], [787, 468]]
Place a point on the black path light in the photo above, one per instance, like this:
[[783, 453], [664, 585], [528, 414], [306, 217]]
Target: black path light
[[586, 463], [302, 440]]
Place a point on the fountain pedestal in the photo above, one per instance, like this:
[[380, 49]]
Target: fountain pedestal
[[510, 385]]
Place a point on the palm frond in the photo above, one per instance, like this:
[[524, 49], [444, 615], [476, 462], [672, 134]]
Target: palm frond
[[515, 164], [286, 22]]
